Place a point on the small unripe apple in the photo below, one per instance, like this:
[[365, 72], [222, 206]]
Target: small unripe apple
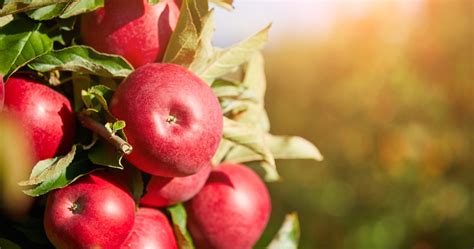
[[174, 121], [166, 191], [151, 230], [134, 29], [231, 211], [46, 116], [93, 212]]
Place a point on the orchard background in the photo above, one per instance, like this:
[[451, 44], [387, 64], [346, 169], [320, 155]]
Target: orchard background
[[385, 90]]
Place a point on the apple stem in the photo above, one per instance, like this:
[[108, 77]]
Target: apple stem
[[106, 134]]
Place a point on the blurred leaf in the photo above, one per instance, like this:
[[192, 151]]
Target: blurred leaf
[[4, 20], [45, 169], [96, 97], [184, 41], [79, 83], [82, 59], [289, 234], [65, 10], [118, 125], [105, 154], [227, 60], [253, 139], [21, 41], [178, 218], [154, 1], [255, 79], [233, 106], [66, 24], [57, 172], [205, 49], [136, 182], [47, 12], [286, 147], [256, 115], [7, 244], [81, 6], [226, 4], [224, 147], [281, 147], [18, 6], [227, 89]]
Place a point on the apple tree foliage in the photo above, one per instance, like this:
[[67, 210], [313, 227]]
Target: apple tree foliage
[[41, 37]]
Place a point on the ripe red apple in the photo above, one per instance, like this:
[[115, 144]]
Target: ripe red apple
[[93, 212], [46, 116], [166, 191], [151, 230], [174, 121], [231, 211], [134, 29], [2, 92]]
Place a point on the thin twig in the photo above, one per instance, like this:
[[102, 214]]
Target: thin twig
[[106, 134]]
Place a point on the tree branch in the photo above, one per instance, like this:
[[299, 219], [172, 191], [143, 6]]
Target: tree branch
[[106, 134]]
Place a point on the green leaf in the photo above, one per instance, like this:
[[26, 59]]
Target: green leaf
[[256, 115], [289, 234], [7, 244], [281, 147], [204, 50], [20, 42], [137, 185], [81, 6], [45, 169], [224, 147], [185, 39], [255, 79], [118, 125], [178, 218], [227, 89], [229, 59], [226, 4], [82, 59], [67, 24], [47, 12], [4, 20], [96, 97], [254, 140], [232, 106], [18, 6], [287, 147], [153, 1], [106, 155], [79, 83], [57, 172]]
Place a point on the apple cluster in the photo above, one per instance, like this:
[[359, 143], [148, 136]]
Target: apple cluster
[[174, 123]]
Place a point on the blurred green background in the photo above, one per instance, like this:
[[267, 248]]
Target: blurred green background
[[389, 101]]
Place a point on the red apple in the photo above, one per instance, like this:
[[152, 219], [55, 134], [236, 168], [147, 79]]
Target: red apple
[[151, 230], [2, 92], [46, 116], [231, 211], [93, 212], [134, 29], [174, 121], [166, 191]]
